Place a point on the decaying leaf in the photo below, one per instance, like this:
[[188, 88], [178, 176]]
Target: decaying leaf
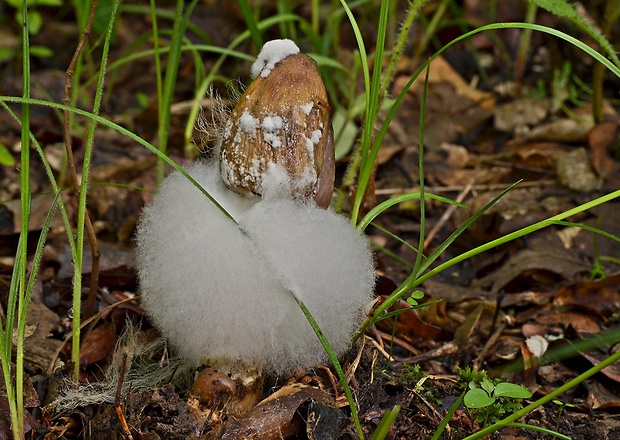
[[287, 413], [576, 172]]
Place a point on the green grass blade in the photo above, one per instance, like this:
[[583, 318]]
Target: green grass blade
[[366, 72], [448, 241], [567, 10], [520, 233], [250, 21], [383, 428], [411, 282], [185, 48], [103, 121], [25, 196], [157, 52], [495, 26], [446, 419], [540, 429], [172, 69], [383, 206], [334, 360], [422, 124], [401, 241], [408, 309], [163, 13], [78, 257], [52, 180], [589, 228], [372, 93]]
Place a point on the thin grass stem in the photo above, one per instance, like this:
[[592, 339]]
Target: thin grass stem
[[105, 122], [25, 196]]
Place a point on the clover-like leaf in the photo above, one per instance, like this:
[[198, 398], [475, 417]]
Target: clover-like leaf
[[477, 398], [506, 389]]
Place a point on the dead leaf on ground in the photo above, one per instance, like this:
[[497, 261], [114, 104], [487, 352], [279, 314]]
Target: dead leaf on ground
[[520, 114], [602, 296], [560, 130], [290, 411], [602, 139], [576, 173], [529, 261], [599, 397], [98, 345]]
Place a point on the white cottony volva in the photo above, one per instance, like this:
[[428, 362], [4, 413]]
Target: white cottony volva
[[223, 296]]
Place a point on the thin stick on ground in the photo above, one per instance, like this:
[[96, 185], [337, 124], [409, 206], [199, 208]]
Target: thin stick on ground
[[94, 273], [117, 400], [446, 215]]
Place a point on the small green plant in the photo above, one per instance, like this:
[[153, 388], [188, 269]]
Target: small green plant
[[494, 403], [414, 297], [409, 375], [562, 406], [413, 377], [490, 399]]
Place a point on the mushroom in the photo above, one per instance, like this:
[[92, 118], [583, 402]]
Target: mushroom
[[221, 292]]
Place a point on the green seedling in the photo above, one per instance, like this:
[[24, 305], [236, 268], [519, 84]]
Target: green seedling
[[414, 297], [562, 406], [412, 377], [491, 400]]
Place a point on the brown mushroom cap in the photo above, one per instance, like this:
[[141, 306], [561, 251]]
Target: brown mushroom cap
[[282, 118]]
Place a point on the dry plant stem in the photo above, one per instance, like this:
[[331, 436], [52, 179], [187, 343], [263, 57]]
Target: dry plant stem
[[117, 400], [66, 100], [381, 350], [444, 350], [446, 215], [397, 341], [492, 340], [332, 380]]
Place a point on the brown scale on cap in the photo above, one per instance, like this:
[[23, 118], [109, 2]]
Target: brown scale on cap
[[282, 118]]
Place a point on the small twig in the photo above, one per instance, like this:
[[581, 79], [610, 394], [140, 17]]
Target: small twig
[[352, 368], [380, 349], [211, 412], [448, 213], [117, 400], [410, 348], [498, 306], [332, 380], [492, 340], [66, 100], [445, 350]]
